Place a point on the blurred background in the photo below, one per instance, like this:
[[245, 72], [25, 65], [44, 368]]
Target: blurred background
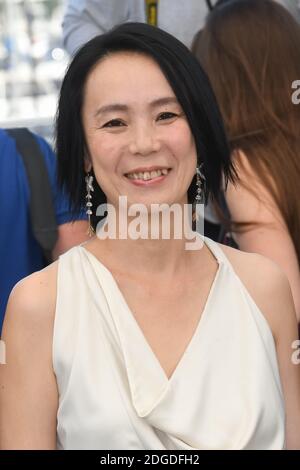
[[32, 63]]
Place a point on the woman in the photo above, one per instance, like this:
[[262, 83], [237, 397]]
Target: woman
[[140, 343], [250, 51]]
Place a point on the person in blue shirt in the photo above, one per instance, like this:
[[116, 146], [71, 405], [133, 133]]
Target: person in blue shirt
[[20, 253]]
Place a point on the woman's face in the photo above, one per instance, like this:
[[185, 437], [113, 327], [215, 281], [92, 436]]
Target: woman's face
[[139, 141]]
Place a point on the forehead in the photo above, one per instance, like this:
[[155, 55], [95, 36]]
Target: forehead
[[126, 75]]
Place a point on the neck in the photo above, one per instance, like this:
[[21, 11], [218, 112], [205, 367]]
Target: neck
[[149, 247]]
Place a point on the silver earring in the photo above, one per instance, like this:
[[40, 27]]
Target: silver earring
[[201, 187], [89, 187]]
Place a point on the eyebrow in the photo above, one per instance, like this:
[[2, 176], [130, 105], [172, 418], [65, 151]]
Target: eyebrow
[[123, 107]]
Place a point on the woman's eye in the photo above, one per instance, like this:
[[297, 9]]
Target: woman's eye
[[113, 123], [118, 123], [167, 115]]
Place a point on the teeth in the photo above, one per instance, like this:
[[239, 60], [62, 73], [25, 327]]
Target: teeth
[[147, 175]]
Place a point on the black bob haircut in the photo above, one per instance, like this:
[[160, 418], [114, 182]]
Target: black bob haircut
[[189, 83]]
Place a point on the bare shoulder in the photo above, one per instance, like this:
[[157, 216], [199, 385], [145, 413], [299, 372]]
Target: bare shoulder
[[32, 301], [28, 389], [267, 284], [249, 264]]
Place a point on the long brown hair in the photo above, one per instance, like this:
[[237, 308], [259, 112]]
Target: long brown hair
[[250, 50]]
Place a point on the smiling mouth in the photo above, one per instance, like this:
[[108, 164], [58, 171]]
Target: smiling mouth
[[148, 175]]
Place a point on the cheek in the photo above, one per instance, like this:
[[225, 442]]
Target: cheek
[[183, 144], [103, 154]]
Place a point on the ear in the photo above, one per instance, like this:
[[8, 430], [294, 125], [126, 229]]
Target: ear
[[87, 163]]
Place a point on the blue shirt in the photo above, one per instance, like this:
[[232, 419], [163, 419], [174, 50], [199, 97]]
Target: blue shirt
[[20, 254]]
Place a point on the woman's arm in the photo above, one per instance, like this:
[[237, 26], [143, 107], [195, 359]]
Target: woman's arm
[[286, 334], [275, 301], [270, 289], [270, 236], [28, 392]]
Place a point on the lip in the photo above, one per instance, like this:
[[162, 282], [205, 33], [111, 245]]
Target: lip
[[151, 182], [143, 169]]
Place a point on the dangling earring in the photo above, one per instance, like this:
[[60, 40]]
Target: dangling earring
[[201, 189], [89, 187]]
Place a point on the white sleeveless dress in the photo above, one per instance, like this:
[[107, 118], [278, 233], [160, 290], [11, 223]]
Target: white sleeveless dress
[[225, 393]]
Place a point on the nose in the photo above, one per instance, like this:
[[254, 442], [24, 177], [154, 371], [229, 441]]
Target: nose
[[144, 140]]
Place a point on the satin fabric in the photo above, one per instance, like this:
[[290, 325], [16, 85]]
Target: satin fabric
[[225, 392]]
